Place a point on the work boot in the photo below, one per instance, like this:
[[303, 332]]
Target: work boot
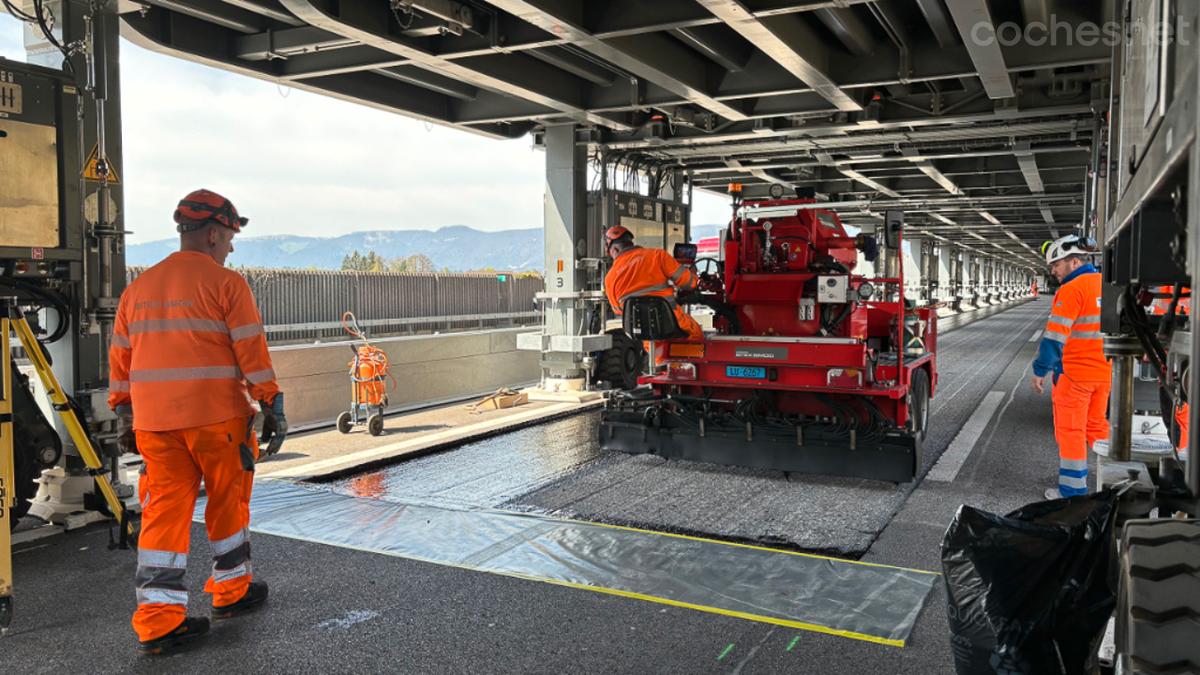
[[1052, 493], [254, 598], [192, 628]]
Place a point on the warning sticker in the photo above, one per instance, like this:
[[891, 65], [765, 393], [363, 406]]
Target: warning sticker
[[91, 168]]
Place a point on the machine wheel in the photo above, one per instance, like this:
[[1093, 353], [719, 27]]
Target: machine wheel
[[375, 424], [1158, 607], [621, 363], [918, 403], [344, 422]]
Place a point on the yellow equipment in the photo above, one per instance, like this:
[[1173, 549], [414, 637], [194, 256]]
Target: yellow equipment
[[14, 321]]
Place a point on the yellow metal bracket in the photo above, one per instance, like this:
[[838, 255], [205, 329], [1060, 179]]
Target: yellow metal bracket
[[12, 322]]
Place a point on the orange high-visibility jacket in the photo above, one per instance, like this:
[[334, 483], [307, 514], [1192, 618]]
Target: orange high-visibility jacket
[[187, 341], [1072, 343], [1160, 306], [645, 271]]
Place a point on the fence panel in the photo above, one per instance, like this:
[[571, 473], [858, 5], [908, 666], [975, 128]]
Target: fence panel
[[307, 305]]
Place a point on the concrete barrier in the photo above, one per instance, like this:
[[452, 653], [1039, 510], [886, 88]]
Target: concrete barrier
[[428, 369]]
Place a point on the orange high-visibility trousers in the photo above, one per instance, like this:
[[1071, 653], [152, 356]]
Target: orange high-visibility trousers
[[222, 455], [1080, 420], [1181, 420]]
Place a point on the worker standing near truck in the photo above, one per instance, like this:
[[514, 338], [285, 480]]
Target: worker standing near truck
[[638, 272], [188, 356], [1072, 351]]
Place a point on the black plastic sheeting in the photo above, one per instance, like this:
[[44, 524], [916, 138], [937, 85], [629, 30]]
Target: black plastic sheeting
[[864, 601], [1032, 591]]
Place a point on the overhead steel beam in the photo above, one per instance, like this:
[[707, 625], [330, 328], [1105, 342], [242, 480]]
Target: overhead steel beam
[[978, 33], [760, 174], [367, 22], [718, 43], [849, 30], [216, 13], [926, 167], [282, 43], [207, 44], [1037, 11], [655, 58], [874, 185], [790, 42], [336, 62], [268, 8], [939, 22], [576, 65], [432, 81]]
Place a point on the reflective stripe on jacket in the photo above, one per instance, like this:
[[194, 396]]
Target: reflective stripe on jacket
[[645, 271], [187, 341], [1072, 343]]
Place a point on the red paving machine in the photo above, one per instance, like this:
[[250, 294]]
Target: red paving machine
[[812, 366]]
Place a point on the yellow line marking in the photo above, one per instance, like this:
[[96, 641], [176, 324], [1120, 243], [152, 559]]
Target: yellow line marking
[[788, 623]]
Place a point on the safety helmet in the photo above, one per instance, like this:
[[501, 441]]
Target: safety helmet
[[1065, 247], [202, 207], [616, 233]]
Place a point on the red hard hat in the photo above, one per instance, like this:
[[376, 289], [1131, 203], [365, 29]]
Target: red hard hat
[[616, 232], [202, 207]]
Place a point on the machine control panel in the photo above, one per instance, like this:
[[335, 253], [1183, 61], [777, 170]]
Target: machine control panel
[[833, 289]]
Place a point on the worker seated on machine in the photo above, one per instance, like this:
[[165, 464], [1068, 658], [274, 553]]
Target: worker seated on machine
[[638, 272]]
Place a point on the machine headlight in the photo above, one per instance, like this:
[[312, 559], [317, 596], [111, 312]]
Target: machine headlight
[[681, 370], [865, 291]]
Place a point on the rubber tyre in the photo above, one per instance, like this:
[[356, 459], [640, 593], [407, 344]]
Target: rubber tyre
[[918, 401], [344, 422], [621, 364], [1158, 606], [375, 424]]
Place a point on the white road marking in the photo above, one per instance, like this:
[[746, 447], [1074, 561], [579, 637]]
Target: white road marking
[[952, 460], [1036, 334]]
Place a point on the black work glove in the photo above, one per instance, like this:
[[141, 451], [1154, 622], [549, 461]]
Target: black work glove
[[126, 439], [275, 426]]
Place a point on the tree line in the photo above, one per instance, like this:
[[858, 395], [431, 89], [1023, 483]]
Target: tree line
[[418, 263]]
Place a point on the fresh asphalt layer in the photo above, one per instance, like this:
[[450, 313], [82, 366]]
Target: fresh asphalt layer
[[338, 610]]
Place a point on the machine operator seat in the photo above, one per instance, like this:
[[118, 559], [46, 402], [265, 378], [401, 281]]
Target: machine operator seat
[[650, 318]]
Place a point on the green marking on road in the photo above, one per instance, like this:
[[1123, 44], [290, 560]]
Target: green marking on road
[[725, 652], [793, 643]]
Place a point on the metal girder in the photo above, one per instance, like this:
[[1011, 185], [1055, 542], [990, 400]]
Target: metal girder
[[978, 33], [282, 43], [574, 64], [939, 22], [848, 29], [268, 8], [926, 167], [790, 42], [718, 43], [217, 13], [207, 44], [874, 185], [432, 81], [760, 174], [367, 22], [1038, 11], [656, 58], [336, 62]]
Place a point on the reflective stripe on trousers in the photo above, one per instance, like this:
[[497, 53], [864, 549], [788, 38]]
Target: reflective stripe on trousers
[[231, 556], [159, 577]]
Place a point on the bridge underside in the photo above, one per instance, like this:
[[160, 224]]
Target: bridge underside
[[907, 104]]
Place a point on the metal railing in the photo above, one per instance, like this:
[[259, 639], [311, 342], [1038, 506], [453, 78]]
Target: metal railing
[[306, 305]]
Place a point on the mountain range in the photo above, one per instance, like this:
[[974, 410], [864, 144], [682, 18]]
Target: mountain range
[[458, 248]]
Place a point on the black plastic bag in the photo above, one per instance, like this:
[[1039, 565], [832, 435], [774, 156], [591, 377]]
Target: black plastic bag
[[1032, 591]]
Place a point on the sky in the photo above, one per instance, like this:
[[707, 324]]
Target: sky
[[300, 163]]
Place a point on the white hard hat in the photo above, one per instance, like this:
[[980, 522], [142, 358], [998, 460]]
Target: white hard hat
[[1064, 247]]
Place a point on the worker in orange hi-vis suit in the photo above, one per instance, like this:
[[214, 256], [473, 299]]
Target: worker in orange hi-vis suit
[[1072, 350], [188, 356], [1161, 306], [638, 271]]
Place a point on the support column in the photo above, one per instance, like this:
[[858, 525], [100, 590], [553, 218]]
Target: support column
[[572, 310]]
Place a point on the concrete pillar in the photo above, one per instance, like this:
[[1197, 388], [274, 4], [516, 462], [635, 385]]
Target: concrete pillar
[[945, 273], [915, 273], [568, 302]]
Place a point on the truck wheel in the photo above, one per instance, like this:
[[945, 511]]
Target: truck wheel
[[621, 363], [344, 423], [918, 403], [1158, 607]]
